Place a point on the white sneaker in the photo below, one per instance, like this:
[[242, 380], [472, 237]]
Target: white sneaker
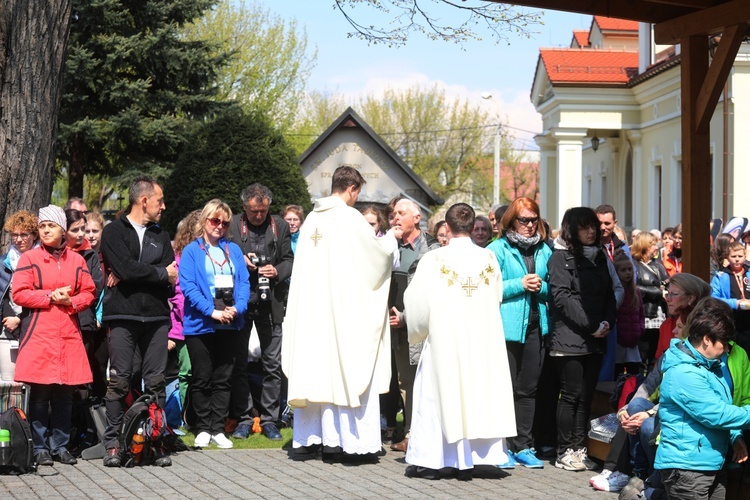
[[608, 480], [221, 441], [570, 461], [202, 440]]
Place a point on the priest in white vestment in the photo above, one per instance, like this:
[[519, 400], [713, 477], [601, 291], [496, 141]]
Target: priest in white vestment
[[463, 396], [336, 347]]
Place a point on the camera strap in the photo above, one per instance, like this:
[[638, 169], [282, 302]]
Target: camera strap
[[214, 262]]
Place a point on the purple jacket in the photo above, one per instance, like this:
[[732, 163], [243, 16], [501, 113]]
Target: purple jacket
[[177, 305]]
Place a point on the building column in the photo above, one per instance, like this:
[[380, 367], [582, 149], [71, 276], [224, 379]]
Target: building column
[[569, 169], [638, 200], [548, 178]]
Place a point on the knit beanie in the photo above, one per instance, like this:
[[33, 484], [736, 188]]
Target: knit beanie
[[54, 214]]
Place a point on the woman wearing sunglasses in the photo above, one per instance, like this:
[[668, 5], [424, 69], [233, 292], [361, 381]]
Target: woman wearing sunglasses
[[523, 254], [216, 287]]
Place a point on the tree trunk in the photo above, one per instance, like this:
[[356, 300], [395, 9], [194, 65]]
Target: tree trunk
[[33, 38], [76, 167]]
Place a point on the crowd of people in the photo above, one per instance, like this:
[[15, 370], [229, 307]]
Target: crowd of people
[[490, 333]]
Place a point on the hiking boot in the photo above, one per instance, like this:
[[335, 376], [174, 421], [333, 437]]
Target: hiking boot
[[112, 458], [162, 458], [272, 432], [608, 480], [242, 431], [528, 459], [570, 460]]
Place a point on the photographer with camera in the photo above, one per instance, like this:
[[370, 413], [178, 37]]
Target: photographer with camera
[[216, 286], [266, 243]]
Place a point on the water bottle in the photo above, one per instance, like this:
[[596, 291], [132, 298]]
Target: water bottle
[[4, 447], [136, 448]]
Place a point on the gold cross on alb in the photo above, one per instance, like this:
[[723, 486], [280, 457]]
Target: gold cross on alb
[[316, 237], [468, 287]]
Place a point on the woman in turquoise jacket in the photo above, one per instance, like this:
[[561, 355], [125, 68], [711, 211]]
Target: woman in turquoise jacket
[[698, 419], [522, 253]]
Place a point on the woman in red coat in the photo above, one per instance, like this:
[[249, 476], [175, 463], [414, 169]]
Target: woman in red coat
[[52, 284]]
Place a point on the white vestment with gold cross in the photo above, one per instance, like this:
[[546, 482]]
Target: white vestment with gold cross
[[336, 344], [463, 392]]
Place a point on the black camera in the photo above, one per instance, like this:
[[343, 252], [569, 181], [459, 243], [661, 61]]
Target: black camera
[[260, 260], [223, 298]]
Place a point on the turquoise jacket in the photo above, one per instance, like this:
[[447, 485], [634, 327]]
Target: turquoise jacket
[[698, 420], [516, 304]]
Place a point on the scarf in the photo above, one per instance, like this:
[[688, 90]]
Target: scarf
[[11, 259], [590, 252], [522, 241]]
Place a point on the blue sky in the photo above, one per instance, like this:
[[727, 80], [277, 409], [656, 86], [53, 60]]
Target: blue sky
[[506, 70]]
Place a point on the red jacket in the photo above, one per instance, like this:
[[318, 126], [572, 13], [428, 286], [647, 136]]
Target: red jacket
[[51, 350]]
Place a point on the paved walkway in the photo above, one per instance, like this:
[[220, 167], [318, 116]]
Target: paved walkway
[[272, 474]]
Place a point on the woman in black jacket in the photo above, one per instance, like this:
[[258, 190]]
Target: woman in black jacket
[[651, 279], [582, 313]]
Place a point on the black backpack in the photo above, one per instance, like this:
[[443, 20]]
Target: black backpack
[[144, 414], [21, 459]]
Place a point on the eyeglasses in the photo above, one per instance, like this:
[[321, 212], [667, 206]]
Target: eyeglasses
[[674, 295], [215, 221], [22, 236], [527, 220]]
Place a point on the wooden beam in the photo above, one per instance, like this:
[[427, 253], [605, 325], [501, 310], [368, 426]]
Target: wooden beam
[[634, 10], [695, 4], [702, 22], [696, 161], [717, 74]]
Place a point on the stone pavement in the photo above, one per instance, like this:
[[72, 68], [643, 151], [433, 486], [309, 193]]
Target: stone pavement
[[272, 474]]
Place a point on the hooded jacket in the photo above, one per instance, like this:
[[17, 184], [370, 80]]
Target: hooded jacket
[[698, 420], [87, 317]]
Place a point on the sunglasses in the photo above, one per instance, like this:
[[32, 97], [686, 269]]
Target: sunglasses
[[215, 221], [527, 220]]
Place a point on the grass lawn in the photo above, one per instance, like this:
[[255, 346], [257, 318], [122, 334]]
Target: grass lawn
[[253, 442]]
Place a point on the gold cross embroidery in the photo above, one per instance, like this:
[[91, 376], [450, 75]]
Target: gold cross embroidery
[[316, 237], [469, 287]]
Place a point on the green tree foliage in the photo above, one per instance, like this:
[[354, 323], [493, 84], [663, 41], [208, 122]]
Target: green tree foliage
[[227, 153], [131, 86], [270, 58], [317, 113], [393, 21]]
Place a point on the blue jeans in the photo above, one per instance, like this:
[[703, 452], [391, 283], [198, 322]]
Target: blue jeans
[[60, 398], [642, 453]]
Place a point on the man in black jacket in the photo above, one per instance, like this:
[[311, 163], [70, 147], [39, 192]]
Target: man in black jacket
[[266, 242], [140, 256]]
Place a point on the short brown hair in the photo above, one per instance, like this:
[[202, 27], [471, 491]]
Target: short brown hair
[[514, 210], [346, 176], [460, 219], [23, 220], [296, 209]]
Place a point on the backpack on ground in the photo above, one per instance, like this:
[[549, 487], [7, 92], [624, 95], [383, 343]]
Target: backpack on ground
[[144, 427], [20, 455]]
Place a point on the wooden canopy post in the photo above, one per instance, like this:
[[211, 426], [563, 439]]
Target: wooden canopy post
[[696, 160]]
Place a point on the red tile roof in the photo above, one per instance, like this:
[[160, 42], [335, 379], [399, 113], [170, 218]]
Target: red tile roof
[[582, 37], [612, 24], [589, 65]]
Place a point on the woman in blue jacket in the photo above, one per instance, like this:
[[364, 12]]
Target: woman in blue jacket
[[523, 254], [698, 420], [216, 286]]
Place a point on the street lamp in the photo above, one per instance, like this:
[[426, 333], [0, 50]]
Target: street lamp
[[496, 176]]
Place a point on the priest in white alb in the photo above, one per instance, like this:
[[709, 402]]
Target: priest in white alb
[[336, 348], [463, 397]]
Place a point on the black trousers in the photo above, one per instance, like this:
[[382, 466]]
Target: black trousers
[[525, 360], [578, 377], [212, 357], [124, 338], [269, 335], [98, 354]]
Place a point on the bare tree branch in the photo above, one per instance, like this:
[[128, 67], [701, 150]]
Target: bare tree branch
[[462, 21]]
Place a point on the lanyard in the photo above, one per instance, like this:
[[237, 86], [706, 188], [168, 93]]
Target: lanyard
[[740, 284], [214, 261], [610, 248]]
